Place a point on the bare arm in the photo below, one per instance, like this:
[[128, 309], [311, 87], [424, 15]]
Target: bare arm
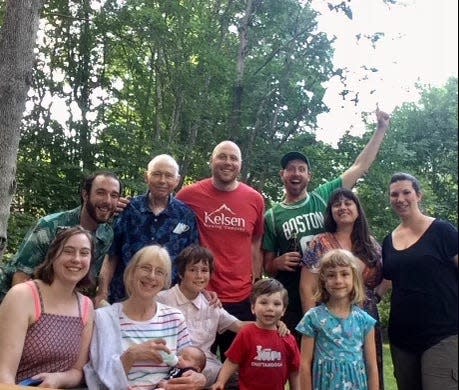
[[370, 361], [307, 355], [363, 162], [16, 314], [294, 381], [383, 288], [228, 369], [268, 263], [236, 326], [105, 278], [257, 258], [308, 285]]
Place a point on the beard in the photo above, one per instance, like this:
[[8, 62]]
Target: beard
[[99, 217], [295, 190]]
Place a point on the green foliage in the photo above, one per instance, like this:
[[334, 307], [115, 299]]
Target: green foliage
[[138, 78], [384, 309], [18, 225], [422, 141], [2, 12]]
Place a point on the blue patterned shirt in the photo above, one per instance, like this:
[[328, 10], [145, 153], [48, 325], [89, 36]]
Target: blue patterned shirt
[[174, 228]]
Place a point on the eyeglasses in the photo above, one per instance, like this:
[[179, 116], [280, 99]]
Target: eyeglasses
[[157, 175], [148, 270]]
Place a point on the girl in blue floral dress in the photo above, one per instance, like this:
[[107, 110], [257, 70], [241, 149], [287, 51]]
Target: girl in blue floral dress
[[338, 345]]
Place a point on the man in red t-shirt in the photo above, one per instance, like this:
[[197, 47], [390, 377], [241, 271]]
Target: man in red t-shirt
[[230, 224]]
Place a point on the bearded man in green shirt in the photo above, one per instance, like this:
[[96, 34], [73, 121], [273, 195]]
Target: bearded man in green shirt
[[291, 224], [100, 194]]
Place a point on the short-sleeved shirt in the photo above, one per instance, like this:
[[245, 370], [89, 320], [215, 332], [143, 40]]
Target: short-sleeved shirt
[[174, 228], [424, 295], [229, 222], [338, 347], [265, 358], [203, 320], [290, 227], [33, 249]]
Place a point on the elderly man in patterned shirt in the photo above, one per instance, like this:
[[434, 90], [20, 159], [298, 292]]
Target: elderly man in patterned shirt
[[153, 218]]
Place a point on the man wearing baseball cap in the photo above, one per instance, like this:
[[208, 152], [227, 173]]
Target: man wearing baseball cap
[[291, 224]]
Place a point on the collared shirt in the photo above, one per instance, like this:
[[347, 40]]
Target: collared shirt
[[174, 228], [202, 320], [33, 249]]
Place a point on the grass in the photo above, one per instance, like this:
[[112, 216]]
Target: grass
[[389, 380]]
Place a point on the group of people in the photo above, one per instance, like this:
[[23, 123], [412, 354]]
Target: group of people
[[191, 270]]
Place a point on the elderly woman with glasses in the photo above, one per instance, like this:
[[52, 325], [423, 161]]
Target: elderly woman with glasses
[[131, 337]]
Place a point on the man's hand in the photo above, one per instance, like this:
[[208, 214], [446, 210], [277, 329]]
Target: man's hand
[[101, 300], [213, 299], [383, 118], [122, 204], [289, 261]]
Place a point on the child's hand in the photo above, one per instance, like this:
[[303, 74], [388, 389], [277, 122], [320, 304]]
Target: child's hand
[[282, 329], [218, 386]]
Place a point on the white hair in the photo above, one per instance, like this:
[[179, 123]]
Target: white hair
[[163, 158]]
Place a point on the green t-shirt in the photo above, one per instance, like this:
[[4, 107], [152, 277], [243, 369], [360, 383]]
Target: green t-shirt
[[33, 249], [290, 227]]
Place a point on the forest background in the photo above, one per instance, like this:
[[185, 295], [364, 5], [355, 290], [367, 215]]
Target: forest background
[[118, 82]]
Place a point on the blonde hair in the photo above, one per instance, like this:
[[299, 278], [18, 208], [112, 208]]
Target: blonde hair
[[340, 258], [153, 252]]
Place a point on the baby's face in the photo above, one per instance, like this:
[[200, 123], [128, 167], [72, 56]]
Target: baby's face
[[189, 357]]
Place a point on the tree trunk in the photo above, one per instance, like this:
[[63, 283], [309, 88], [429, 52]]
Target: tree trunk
[[17, 42], [235, 119]]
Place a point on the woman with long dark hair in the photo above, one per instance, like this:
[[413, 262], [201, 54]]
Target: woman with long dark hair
[[346, 228]]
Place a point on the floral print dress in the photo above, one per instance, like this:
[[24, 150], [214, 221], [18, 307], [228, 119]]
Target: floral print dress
[[372, 276], [338, 347]]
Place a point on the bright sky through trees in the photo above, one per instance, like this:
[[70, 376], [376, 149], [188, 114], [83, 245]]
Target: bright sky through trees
[[420, 45]]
